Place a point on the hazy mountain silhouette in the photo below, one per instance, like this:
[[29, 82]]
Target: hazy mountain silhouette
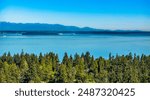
[[6, 26], [58, 29]]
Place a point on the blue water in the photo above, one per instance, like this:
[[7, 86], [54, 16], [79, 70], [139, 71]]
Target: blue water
[[97, 45]]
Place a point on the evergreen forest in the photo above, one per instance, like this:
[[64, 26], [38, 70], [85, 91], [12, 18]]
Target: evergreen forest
[[84, 68]]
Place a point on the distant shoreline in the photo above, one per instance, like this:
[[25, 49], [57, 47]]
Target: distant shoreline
[[134, 33]]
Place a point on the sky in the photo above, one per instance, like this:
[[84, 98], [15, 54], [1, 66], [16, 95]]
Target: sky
[[101, 14]]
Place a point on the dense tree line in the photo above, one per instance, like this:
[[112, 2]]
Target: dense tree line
[[84, 68]]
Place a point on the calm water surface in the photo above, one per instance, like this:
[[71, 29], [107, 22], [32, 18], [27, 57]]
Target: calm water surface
[[97, 45]]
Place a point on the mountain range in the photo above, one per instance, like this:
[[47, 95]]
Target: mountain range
[[6, 26], [58, 29]]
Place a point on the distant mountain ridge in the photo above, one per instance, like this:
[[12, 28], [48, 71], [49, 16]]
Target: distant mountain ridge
[[6, 26]]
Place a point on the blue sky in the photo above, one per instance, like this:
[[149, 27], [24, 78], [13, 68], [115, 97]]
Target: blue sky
[[104, 14]]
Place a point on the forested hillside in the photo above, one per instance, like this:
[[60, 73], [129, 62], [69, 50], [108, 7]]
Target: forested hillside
[[30, 68]]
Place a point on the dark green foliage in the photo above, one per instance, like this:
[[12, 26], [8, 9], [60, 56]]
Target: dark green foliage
[[30, 68]]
